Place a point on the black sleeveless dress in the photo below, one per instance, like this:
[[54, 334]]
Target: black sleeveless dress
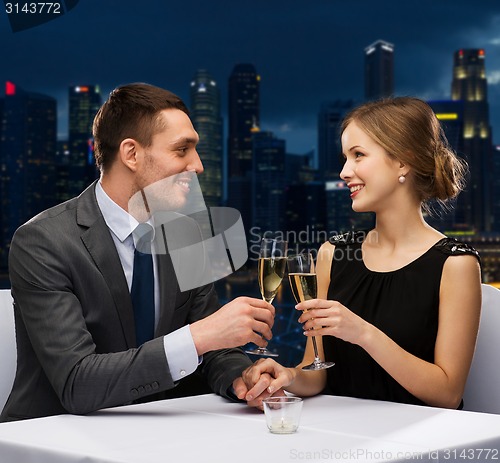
[[403, 303]]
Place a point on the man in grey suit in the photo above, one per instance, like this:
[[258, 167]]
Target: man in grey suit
[[71, 270]]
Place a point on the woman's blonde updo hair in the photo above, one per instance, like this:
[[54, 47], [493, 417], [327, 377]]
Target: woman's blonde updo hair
[[408, 130]]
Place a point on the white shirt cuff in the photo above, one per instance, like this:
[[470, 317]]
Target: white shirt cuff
[[181, 353]]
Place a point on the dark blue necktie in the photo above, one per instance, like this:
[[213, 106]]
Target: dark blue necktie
[[142, 291]]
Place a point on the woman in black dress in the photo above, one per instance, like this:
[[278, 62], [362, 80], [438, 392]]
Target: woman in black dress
[[398, 306]]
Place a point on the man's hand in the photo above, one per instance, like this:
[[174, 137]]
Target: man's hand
[[235, 324]]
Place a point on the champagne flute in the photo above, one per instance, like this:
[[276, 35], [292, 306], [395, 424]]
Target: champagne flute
[[271, 269], [302, 276]]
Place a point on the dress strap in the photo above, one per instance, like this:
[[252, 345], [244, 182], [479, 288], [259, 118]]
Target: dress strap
[[351, 237], [453, 247]]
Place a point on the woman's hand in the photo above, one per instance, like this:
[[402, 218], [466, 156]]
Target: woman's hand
[[264, 378], [321, 317]]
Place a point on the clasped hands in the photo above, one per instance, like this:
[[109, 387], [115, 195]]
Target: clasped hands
[[320, 317]]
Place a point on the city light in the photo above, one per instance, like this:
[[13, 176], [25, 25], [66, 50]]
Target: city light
[[447, 116], [10, 89], [332, 186]]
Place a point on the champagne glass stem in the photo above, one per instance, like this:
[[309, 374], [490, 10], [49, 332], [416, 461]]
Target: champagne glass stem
[[263, 350], [315, 346], [317, 364], [317, 359]]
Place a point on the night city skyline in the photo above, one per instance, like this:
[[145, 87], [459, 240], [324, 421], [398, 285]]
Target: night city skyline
[[306, 53], [307, 65]]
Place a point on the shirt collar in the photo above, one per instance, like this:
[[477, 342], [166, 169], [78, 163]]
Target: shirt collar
[[118, 220]]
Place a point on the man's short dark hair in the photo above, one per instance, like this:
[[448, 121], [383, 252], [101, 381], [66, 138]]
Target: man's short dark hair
[[131, 111]]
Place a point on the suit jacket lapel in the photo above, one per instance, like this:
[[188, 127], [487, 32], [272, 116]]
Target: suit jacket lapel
[[99, 243]]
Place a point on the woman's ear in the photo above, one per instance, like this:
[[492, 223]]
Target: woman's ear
[[403, 169]]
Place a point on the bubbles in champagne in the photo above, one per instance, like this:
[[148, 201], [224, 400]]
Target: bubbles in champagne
[[271, 272], [303, 285]]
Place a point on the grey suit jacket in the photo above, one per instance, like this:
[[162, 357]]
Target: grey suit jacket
[[74, 320]]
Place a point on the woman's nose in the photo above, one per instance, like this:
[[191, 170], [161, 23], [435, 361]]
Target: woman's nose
[[346, 171]]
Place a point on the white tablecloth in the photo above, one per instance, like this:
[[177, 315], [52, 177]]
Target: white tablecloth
[[208, 429]]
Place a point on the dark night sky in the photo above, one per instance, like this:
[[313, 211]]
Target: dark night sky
[[306, 51]]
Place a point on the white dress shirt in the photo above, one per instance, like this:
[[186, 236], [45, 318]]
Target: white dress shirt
[[179, 345]]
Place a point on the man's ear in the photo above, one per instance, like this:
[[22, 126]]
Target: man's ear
[[127, 153]]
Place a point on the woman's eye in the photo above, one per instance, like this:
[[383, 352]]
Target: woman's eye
[[358, 154]]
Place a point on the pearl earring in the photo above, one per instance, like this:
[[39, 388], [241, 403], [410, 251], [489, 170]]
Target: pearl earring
[[402, 179]]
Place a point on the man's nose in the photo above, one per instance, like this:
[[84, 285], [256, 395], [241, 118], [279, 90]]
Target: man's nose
[[196, 164]]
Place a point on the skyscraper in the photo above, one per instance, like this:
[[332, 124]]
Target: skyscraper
[[451, 116], [495, 184], [470, 86], [244, 118], [84, 102], [207, 121], [268, 182], [3, 253], [28, 143], [340, 217], [299, 168], [306, 210], [330, 118], [339, 212], [379, 70], [244, 121]]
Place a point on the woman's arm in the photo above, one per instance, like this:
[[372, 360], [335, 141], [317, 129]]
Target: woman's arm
[[440, 383]]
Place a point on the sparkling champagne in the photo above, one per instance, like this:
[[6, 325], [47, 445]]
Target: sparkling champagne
[[271, 272], [303, 285]]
